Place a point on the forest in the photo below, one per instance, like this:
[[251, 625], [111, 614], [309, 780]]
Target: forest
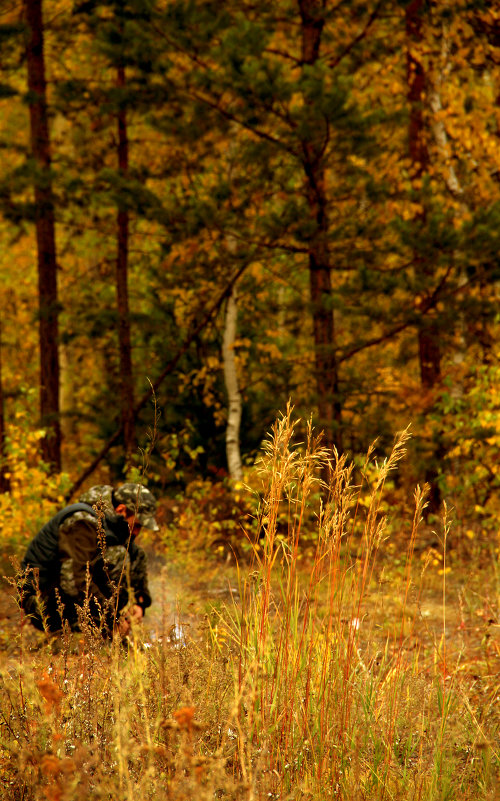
[[235, 228], [304, 198]]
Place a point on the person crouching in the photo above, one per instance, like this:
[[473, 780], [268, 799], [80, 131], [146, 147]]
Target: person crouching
[[85, 560]]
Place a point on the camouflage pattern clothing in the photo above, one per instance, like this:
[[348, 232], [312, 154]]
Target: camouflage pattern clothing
[[138, 500], [90, 533]]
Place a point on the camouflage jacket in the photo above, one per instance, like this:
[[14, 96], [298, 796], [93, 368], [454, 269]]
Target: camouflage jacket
[[78, 536]]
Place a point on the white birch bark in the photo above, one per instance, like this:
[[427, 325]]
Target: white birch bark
[[232, 389], [233, 454]]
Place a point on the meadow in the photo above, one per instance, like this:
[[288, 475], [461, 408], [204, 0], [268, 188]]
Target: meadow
[[358, 663]]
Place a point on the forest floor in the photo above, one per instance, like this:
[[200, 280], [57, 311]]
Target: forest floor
[[418, 638], [464, 627]]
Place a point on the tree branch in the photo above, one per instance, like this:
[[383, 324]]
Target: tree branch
[[428, 305], [157, 383], [352, 44]]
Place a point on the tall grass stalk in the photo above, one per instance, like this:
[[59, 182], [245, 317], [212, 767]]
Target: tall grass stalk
[[329, 703]]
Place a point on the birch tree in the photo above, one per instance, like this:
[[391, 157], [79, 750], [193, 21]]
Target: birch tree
[[232, 388]]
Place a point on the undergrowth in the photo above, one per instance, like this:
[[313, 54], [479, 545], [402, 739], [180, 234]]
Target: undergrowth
[[304, 687]]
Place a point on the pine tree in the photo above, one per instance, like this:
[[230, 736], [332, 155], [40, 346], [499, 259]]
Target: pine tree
[[272, 74]]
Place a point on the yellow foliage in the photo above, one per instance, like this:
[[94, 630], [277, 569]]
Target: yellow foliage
[[34, 494]]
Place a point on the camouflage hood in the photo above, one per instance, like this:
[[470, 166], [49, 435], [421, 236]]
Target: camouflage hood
[[137, 498]]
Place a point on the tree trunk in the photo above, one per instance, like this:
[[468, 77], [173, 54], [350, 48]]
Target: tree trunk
[[4, 481], [232, 389], [454, 187], [45, 236], [428, 335], [126, 375], [320, 279], [428, 330]]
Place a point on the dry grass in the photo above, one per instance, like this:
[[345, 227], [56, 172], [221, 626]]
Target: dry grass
[[310, 685]]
